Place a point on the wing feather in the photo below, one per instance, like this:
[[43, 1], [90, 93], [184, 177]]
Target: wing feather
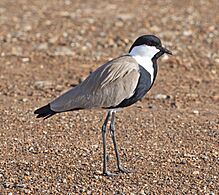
[[108, 86]]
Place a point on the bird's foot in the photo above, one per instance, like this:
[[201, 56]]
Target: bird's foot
[[123, 170], [109, 174]]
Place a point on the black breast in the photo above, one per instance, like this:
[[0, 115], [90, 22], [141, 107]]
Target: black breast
[[143, 86]]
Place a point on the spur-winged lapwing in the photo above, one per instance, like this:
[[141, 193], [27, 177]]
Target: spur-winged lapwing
[[117, 84]]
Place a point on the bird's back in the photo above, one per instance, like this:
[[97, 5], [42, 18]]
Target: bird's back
[[108, 86]]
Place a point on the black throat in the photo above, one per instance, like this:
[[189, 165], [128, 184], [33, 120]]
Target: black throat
[[154, 61]]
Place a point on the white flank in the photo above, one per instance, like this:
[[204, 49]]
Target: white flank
[[143, 54]]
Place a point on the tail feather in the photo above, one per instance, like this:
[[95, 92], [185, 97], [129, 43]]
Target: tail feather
[[44, 112]]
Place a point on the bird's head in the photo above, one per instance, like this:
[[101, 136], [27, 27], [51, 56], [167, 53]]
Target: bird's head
[[148, 46]]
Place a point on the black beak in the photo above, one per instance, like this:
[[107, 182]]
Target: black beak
[[164, 50]]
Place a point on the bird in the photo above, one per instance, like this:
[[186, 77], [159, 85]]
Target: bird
[[117, 84]]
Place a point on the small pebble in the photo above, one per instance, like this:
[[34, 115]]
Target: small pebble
[[161, 96], [195, 172], [25, 59], [196, 112]]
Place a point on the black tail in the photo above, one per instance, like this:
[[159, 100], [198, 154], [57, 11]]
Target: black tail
[[44, 112]]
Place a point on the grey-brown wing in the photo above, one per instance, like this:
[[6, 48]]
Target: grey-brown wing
[[108, 86]]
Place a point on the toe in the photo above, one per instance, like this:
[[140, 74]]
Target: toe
[[123, 170], [109, 174]]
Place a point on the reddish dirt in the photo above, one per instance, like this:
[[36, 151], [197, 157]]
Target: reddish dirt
[[170, 139]]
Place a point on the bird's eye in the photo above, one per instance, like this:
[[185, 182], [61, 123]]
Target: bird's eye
[[150, 44]]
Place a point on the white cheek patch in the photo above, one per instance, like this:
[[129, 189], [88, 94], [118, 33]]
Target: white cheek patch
[[143, 54], [151, 50], [147, 64], [144, 51]]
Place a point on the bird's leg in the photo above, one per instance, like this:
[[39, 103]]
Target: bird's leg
[[112, 131], [104, 128]]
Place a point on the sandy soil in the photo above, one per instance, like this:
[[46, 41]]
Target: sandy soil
[[170, 139]]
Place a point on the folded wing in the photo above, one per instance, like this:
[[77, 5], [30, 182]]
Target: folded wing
[[107, 87]]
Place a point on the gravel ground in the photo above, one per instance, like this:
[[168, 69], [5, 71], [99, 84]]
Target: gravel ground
[[170, 140]]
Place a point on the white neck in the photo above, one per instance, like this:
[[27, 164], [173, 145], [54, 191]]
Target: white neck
[[143, 54]]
